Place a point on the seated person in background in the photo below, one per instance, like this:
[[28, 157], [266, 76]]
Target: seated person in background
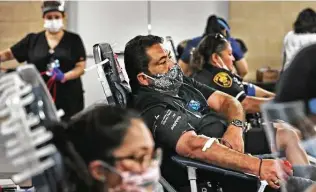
[[215, 25], [181, 46], [116, 149], [212, 63], [242, 45], [303, 34], [184, 116]]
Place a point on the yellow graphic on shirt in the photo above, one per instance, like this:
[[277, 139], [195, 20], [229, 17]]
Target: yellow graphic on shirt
[[223, 79]]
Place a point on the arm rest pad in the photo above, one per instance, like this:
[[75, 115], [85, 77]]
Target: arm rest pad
[[187, 162]]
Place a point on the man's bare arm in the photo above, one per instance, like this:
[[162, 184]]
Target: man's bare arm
[[232, 109], [226, 105], [191, 145]]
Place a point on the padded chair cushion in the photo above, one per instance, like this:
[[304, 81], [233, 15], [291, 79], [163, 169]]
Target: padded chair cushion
[[119, 87], [209, 167]]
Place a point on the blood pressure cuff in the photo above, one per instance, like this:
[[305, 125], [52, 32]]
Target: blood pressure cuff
[[250, 89], [168, 127]]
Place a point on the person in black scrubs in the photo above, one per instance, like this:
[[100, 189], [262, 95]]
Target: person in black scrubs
[[56, 53], [211, 63]]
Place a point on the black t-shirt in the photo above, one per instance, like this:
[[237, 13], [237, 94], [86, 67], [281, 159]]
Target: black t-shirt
[[168, 117], [298, 81], [34, 49], [222, 80]]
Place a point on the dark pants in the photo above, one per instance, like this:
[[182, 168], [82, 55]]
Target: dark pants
[[256, 142], [71, 106]]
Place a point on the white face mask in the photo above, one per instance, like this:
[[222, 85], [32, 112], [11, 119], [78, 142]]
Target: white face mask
[[53, 25], [132, 182], [138, 182]]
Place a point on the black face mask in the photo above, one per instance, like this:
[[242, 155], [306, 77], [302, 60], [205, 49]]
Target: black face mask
[[169, 82]]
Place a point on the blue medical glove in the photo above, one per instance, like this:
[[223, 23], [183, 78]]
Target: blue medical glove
[[59, 75]]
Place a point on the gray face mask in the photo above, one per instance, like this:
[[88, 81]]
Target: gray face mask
[[169, 82]]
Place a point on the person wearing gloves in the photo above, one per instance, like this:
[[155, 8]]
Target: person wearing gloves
[[59, 55]]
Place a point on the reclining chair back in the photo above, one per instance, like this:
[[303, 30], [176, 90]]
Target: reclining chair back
[[174, 50], [115, 87]]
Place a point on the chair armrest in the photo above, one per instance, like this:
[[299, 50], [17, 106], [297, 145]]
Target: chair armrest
[[187, 162]]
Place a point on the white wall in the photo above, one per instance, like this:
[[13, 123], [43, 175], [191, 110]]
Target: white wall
[[119, 21], [184, 19], [114, 22]]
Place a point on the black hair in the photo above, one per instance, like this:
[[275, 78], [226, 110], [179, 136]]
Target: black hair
[[76, 176], [305, 21], [242, 45], [181, 46], [102, 128], [49, 6], [213, 43], [213, 27], [135, 57], [91, 135]]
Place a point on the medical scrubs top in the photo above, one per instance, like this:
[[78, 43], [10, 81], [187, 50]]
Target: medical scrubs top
[[34, 49]]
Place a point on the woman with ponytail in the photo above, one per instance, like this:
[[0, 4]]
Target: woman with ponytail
[[115, 153], [215, 25]]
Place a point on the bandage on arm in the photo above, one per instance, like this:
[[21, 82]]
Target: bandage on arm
[[208, 143]]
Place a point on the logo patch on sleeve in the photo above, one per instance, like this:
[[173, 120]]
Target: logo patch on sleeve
[[223, 79]]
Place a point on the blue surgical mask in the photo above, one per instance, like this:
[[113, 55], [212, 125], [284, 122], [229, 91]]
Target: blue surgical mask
[[169, 82]]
